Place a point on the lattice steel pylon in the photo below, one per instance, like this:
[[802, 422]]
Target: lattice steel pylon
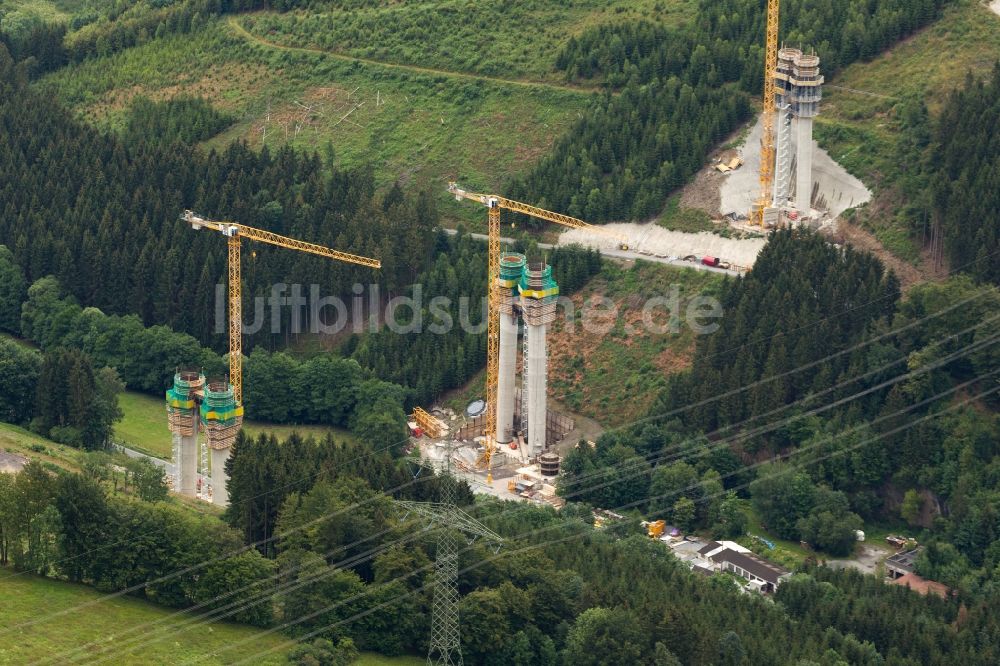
[[445, 644]]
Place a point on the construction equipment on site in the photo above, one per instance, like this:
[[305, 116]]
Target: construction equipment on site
[[495, 203], [221, 403], [767, 149], [654, 529], [432, 426]]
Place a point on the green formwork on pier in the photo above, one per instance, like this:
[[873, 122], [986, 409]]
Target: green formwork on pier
[[221, 414], [538, 285], [182, 410], [511, 267]]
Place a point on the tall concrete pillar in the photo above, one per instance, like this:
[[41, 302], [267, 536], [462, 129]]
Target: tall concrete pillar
[[536, 368], [220, 480], [538, 307], [222, 417], [182, 420], [187, 465], [507, 368], [806, 93], [511, 266], [803, 166]]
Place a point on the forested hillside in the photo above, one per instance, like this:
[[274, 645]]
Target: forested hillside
[[780, 317], [109, 232], [963, 170], [824, 399], [342, 562], [827, 401]]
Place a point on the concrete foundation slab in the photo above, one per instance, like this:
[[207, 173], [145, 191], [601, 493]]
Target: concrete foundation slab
[[838, 188]]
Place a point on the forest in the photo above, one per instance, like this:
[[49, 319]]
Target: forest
[[183, 119], [846, 403], [828, 399], [112, 352], [962, 173], [557, 592], [110, 234]]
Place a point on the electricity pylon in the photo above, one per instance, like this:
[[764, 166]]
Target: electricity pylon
[[445, 645]]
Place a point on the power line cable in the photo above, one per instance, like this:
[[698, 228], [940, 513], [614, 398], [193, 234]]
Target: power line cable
[[926, 401], [535, 546], [606, 470]]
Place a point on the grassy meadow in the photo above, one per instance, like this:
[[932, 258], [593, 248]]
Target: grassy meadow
[[24, 598], [144, 427], [15, 439]]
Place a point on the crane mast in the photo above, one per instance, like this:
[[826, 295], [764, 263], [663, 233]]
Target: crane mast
[[767, 150], [234, 234]]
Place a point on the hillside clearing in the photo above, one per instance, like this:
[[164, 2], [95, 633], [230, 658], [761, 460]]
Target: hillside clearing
[[859, 123], [486, 37], [608, 373], [413, 128]]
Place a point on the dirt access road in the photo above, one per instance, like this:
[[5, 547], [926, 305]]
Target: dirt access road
[[237, 27]]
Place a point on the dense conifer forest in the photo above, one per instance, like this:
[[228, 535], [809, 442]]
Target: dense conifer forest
[[110, 233], [824, 399], [964, 172]]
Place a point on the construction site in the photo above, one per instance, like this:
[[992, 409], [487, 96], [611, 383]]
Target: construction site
[[508, 442], [797, 183]]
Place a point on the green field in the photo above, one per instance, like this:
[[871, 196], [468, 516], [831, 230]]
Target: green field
[[144, 427], [615, 377], [860, 127], [25, 443], [412, 126], [491, 37], [24, 598]]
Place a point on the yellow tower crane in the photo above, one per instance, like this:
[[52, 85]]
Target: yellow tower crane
[[767, 150], [234, 233], [495, 204]]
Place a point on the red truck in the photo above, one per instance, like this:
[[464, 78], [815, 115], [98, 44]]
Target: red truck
[[710, 261]]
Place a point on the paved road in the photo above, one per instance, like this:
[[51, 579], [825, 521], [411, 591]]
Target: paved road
[[159, 462], [621, 254]]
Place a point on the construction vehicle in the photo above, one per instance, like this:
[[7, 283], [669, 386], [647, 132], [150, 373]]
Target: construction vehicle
[[234, 234], [495, 203], [655, 529], [767, 142]]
